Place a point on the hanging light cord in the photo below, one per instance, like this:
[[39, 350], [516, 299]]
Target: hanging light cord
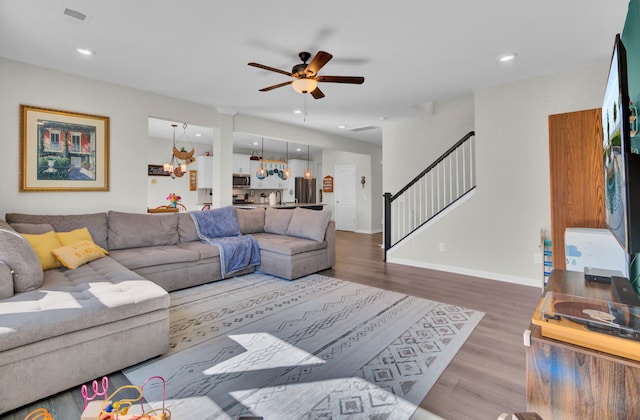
[[305, 107]]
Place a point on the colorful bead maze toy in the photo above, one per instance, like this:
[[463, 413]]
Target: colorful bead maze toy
[[110, 408]]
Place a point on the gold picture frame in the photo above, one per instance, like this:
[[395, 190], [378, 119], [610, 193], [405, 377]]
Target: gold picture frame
[[63, 150]]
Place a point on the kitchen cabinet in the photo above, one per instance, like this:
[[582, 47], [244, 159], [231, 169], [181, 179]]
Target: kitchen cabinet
[[205, 171], [241, 164], [253, 168], [569, 381], [299, 166], [289, 190]]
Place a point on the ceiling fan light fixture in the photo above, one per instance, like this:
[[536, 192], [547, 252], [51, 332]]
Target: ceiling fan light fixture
[[304, 85]]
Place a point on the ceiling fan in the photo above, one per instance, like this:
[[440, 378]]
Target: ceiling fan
[[305, 76]]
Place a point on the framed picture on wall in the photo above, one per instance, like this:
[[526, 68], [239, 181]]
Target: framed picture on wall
[[157, 170], [63, 150]]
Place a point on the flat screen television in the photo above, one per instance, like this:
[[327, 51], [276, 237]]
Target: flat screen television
[[621, 163], [621, 166]]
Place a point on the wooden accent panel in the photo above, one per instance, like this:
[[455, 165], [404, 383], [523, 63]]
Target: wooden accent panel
[[576, 174]]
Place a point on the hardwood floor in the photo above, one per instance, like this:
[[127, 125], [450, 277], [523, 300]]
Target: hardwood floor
[[485, 379], [487, 376]]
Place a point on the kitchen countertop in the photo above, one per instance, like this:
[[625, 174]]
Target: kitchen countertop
[[279, 206]]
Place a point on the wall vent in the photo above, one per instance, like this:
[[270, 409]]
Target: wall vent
[[75, 14], [363, 128]]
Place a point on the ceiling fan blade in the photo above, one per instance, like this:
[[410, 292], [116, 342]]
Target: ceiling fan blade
[[276, 86], [317, 63], [356, 80], [262, 66], [317, 93]]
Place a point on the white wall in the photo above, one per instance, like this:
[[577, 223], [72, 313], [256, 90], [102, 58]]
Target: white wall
[[495, 234], [364, 200], [410, 146], [128, 110]]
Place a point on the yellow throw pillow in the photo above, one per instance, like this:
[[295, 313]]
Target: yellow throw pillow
[[75, 236], [43, 244], [73, 256]]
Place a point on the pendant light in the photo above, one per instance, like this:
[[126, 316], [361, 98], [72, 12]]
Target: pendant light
[[307, 173], [262, 172], [287, 171], [174, 166], [173, 162]]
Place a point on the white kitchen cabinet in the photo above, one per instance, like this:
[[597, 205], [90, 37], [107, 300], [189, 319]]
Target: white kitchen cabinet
[[253, 169], [205, 171], [241, 164], [289, 190]]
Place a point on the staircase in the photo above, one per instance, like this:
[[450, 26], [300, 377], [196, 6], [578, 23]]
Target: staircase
[[440, 185]]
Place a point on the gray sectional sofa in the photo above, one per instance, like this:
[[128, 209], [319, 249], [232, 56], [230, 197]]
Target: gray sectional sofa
[[60, 328]]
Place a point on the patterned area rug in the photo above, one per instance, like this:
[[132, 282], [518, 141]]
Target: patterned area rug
[[313, 348]]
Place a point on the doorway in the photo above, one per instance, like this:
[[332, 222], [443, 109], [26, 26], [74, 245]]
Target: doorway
[[345, 196]]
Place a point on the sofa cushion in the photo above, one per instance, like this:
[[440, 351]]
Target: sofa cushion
[[74, 236], [205, 250], [98, 293], [277, 220], [95, 222], [17, 253], [310, 224], [187, 228], [73, 256], [287, 245], [250, 220], [32, 228], [134, 258], [132, 230], [6, 281], [44, 244]]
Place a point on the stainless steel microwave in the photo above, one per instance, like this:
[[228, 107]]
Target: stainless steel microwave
[[241, 181]]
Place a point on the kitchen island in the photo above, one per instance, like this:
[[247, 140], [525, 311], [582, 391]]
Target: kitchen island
[[311, 206]]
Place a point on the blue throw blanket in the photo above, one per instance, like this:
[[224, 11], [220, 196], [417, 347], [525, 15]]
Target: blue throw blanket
[[220, 228]]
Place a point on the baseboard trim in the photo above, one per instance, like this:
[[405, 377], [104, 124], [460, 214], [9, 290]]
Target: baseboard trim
[[370, 232], [469, 272]]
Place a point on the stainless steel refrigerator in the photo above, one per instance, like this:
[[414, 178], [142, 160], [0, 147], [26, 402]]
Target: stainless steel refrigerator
[[305, 190]]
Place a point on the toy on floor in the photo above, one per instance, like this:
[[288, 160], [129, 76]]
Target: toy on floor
[[39, 414], [110, 408], [96, 392]]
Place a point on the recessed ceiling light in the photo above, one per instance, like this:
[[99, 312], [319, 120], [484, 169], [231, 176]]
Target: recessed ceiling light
[[85, 51], [507, 57], [255, 143], [298, 149], [297, 111], [198, 134], [342, 126]]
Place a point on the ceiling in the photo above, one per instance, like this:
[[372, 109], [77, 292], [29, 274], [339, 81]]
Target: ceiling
[[411, 52]]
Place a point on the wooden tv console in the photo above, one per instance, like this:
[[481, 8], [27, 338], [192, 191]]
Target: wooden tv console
[[566, 381]]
